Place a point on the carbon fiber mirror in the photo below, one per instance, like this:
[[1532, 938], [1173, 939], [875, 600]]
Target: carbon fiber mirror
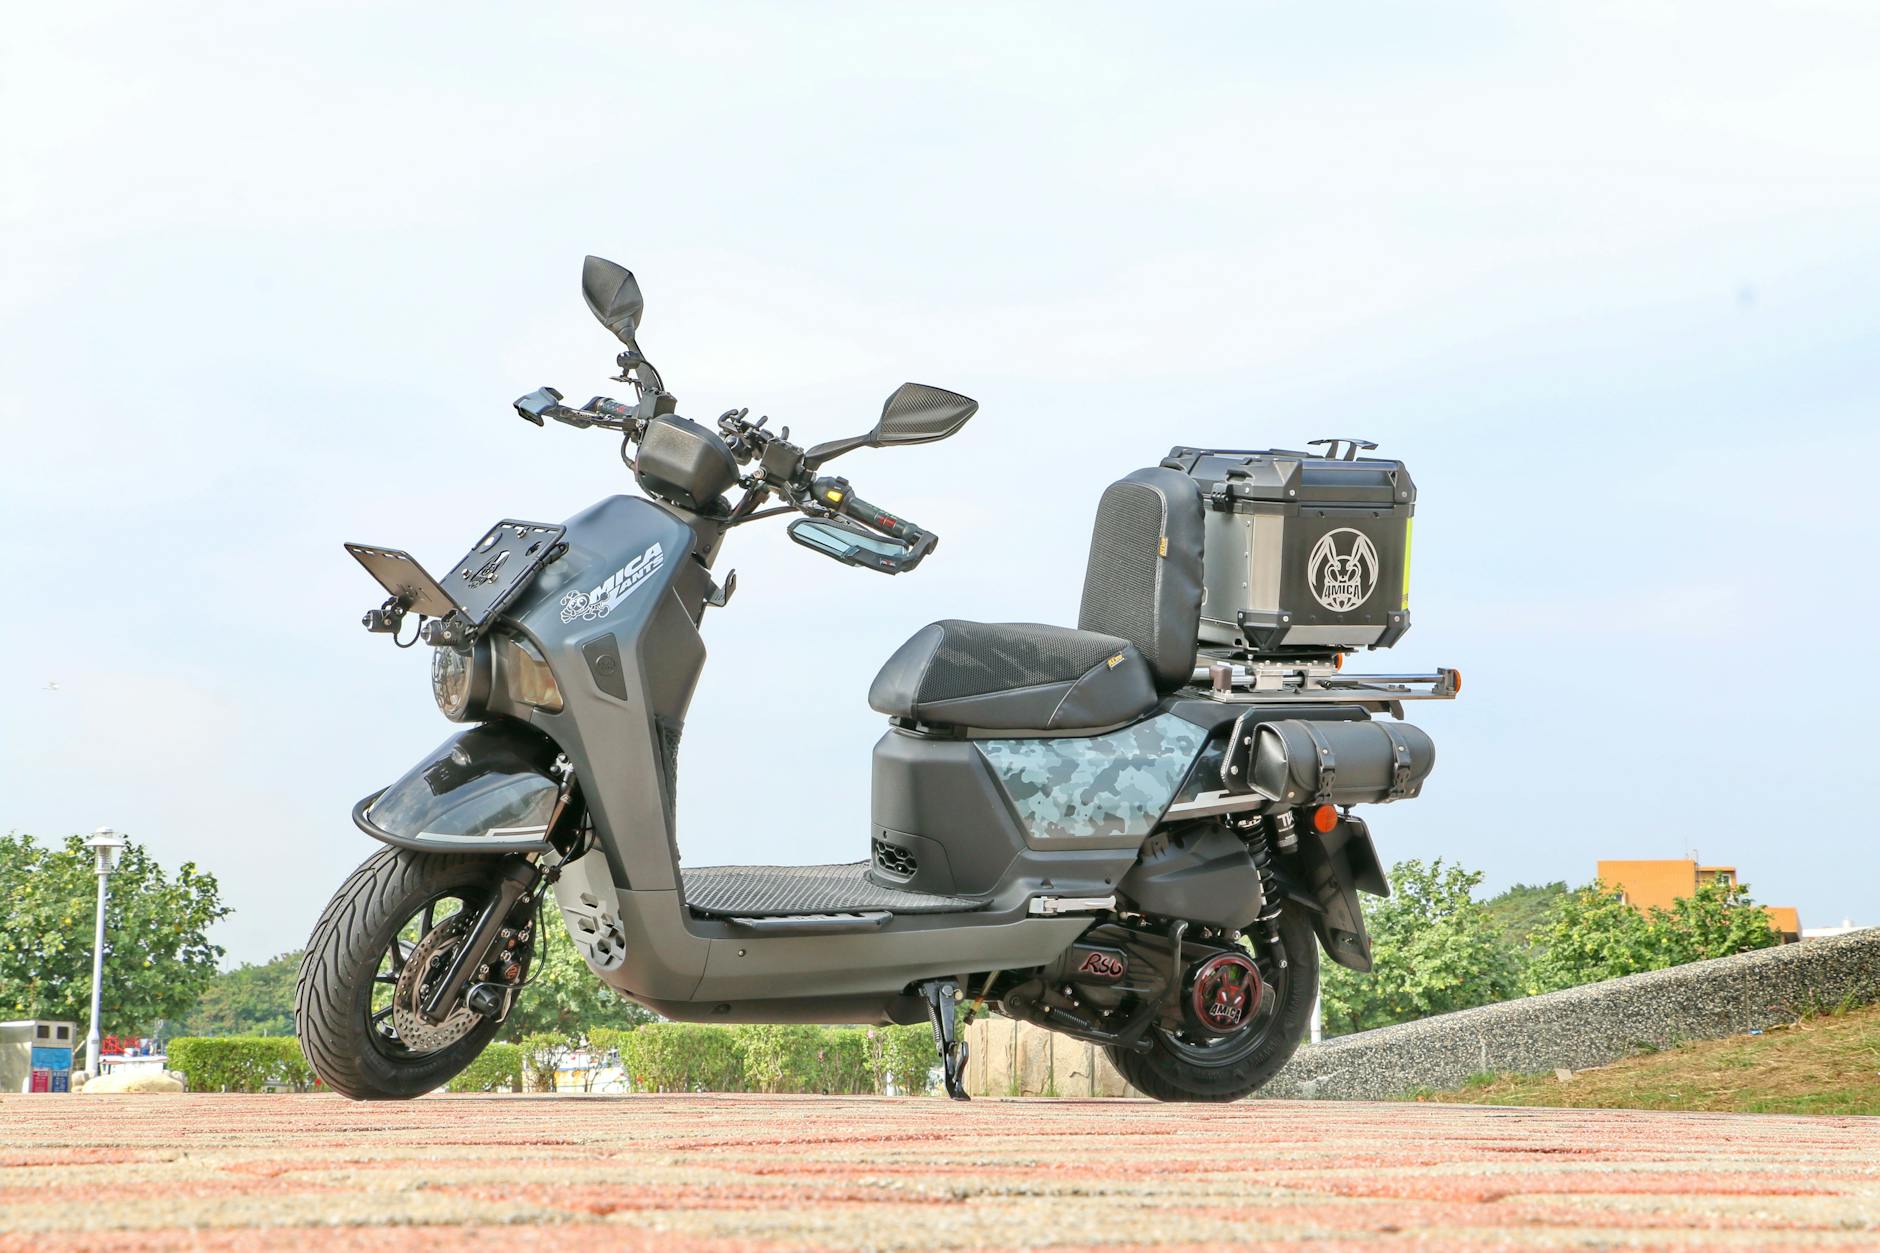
[[919, 414], [613, 294]]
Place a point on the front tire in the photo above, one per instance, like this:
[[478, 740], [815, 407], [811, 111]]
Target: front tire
[[380, 918], [1179, 1069]]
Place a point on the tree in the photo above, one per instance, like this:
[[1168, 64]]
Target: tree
[[1521, 911], [1434, 949], [1717, 920], [248, 1000], [1590, 934], [158, 958], [1593, 934]]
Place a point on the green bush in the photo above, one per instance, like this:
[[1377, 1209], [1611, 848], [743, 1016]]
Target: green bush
[[903, 1056], [699, 1057], [605, 1040], [239, 1063], [542, 1053], [796, 1058], [659, 1057], [497, 1066], [841, 1062], [682, 1057]]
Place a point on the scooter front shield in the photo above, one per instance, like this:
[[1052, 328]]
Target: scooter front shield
[[490, 789]]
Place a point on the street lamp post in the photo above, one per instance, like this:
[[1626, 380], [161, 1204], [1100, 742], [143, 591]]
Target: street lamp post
[[106, 845]]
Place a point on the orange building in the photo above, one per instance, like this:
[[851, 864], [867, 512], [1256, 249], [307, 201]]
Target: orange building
[[1657, 884]]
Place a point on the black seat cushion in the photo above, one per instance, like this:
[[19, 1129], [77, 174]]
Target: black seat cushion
[[1143, 582], [1014, 676]]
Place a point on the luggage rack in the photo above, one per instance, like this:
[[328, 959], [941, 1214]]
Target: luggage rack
[[1320, 682]]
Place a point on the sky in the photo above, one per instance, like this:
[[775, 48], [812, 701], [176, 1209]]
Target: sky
[[1605, 276]]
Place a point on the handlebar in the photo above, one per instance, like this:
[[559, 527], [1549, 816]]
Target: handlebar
[[835, 493], [545, 402], [782, 469]]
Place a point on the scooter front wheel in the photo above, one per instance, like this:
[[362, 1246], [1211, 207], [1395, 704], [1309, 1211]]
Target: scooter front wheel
[[396, 922]]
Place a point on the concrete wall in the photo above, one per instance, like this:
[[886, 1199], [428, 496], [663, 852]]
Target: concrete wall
[[1574, 1029], [1592, 1025]]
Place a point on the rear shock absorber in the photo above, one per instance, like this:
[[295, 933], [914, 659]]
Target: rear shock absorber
[[1253, 831]]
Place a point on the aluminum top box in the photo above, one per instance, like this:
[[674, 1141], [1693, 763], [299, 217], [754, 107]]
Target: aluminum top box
[[1306, 554]]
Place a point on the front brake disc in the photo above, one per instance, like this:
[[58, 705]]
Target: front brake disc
[[414, 1031]]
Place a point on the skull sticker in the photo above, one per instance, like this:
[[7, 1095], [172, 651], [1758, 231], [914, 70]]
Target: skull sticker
[[1343, 569]]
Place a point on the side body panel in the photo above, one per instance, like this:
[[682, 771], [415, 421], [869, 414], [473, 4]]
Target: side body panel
[[611, 619], [1104, 790], [618, 626]]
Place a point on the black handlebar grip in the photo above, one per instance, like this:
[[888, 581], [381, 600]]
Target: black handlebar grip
[[835, 493]]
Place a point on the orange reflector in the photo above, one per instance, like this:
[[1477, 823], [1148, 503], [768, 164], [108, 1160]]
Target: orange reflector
[[1455, 682], [1338, 661], [1324, 818]]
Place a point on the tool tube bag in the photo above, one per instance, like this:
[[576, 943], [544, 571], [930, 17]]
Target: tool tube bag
[[1296, 762]]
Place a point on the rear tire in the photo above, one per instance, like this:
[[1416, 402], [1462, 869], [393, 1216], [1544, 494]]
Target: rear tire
[[1177, 1070], [343, 974]]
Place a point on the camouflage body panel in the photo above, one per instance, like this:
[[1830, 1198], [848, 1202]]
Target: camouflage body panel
[[1103, 787]]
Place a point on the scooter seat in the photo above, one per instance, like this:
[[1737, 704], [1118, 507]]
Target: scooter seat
[[1014, 676]]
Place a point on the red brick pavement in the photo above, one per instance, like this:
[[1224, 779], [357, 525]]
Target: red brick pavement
[[745, 1172]]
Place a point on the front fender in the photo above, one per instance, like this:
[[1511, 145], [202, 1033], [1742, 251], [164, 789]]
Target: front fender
[[491, 789]]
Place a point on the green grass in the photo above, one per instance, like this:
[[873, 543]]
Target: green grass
[[1824, 1064]]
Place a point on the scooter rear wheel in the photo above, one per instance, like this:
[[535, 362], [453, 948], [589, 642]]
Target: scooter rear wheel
[[1177, 1068], [357, 983]]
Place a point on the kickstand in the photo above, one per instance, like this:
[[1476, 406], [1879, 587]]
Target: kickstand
[[942, 996]]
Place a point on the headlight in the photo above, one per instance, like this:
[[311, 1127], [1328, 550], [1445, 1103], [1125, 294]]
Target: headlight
[[460, 681], [523, 676], [501, 670]]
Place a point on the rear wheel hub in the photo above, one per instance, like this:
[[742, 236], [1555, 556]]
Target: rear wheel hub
[[1222, 996]]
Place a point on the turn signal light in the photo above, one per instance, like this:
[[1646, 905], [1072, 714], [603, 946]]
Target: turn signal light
[[1324, 818]]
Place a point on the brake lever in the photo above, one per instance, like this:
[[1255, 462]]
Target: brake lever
[[917, 551]]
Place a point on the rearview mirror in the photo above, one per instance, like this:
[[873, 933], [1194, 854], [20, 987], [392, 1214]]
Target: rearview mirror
[[613, 294], [919, 414], [915, 414]]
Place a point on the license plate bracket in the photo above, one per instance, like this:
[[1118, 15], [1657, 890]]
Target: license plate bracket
[[475, 589]]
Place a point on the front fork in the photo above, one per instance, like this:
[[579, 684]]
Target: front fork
[[518, 876]]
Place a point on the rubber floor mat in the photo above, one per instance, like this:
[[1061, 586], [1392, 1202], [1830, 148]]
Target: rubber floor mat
[[778, 891]]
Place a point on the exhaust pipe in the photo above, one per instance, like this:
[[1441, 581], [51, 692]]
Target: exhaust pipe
[[1295, 762]]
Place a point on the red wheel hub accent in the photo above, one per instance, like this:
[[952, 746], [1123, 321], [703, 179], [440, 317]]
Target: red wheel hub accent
[[1223, 994]]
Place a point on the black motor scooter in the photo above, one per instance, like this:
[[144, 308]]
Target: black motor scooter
[[1135, 832]]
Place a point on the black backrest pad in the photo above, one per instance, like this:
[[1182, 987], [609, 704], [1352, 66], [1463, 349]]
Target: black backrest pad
[[1143, 582]]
